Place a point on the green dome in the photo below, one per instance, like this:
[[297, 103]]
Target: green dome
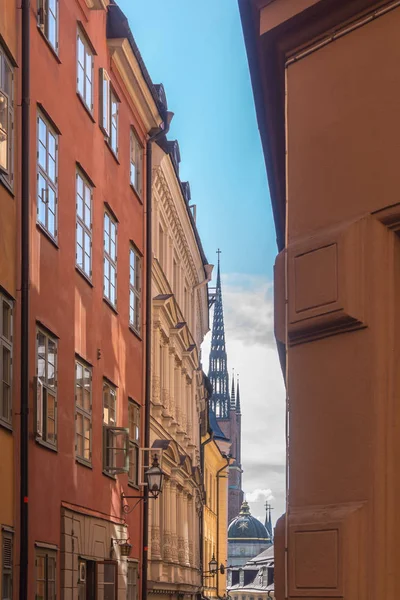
[[247, 528]]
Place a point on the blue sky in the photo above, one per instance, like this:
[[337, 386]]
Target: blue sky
[[196, 50]]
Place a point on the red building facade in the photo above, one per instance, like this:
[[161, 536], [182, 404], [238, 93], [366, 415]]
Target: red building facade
[[92, 108]]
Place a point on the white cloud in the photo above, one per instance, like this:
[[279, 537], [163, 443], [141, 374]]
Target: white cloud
[[259, 495], [251, 350]]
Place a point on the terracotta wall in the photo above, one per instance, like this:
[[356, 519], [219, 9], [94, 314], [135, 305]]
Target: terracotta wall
[[343, 260]]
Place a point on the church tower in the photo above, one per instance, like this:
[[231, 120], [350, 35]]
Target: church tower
[[226, 406]]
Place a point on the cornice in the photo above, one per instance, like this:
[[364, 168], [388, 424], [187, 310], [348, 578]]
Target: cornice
[[129, 70]]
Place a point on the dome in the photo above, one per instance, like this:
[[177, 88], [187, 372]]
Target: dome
[[246, 527]]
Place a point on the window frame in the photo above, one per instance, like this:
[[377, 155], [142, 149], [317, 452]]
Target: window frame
[[43, 390], [136, 163], [113, 143], [85, 414], [104, 94], [43, 172], [107, 258], [135, 290], [87, 52], [132, 566], [43, 11], [7, 171], [81, 223], [7, 343], [46, 554], [7, 569], [134, 442]]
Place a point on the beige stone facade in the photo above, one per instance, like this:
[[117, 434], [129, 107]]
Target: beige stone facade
[[180, 321]]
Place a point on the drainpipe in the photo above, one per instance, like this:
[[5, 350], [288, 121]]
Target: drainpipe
[[202, 445], [148, 333], [228, 460], [24, 410]]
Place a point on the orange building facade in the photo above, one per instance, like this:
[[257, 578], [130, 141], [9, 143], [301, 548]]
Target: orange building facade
[[325, 81], [9, 188], [92, 110]]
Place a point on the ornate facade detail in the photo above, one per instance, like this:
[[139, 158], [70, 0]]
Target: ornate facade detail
[[155, 542], [156, 389]]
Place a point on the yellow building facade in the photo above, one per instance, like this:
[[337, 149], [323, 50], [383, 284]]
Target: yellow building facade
[[215, 514], [9, 188], [180, 274]]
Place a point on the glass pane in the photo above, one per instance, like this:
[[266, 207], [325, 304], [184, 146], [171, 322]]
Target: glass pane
[[86, 266], [51, 200], [42, 155], [79, 256], [52, 28], [52, 145], [79, 206], [6, 320], [87, 243], [5, 406], [88, 65], [51, 169], [81, 52], [79, 235], [42, 132], [6, 365], [88, 93]]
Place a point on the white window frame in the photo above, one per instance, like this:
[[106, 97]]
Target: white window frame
[[85, 414], [84, 224], [50, 184], [44, 16], [7, 565], [134, 425], [46, 554], [44, 389], [6, 345], [110, 259], [82, 86], [136, 163], [115, 439], [6, 117], [132, 580], [109, 120], [135, 289]]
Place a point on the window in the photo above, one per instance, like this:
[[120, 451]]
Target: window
[[83, 225], [46, 400], [136, 163], [6, 338], [134, 440], [47, 148], [48, 21], [161, 245], [109, 111], [84, 71], [7, 565], [45, 575], [106, 580], [110, 258], [83, 414], [135, 286], [116, 439], [114, 123], [131, 588], [6, 117], [86, 579]]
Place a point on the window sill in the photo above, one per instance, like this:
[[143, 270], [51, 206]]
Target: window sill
[[83, 462], [113, 477], [133, 486], [7, 186], [135, 333], [136, 193], [50, 47], [113, 308], [85, 106], [48, 235], [115, 157], [6, 425], [84, 276], [46, 444]]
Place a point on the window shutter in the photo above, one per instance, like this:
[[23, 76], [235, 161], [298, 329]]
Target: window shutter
[[7, 553], [104, 95], [39, 407]]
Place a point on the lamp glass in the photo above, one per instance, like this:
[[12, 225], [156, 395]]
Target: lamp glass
[[155, 476], [213, 565]]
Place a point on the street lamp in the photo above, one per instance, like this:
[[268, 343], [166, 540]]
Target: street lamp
[[154, 477], [213, 565], [124, 546]]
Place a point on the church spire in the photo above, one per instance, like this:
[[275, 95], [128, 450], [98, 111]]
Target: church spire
[[238, 397], [268, 522], [233, 399], [218, 372]]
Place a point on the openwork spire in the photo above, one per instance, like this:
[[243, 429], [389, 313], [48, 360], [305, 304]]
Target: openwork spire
[[238, 397], [233, 399], [218, 372]]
